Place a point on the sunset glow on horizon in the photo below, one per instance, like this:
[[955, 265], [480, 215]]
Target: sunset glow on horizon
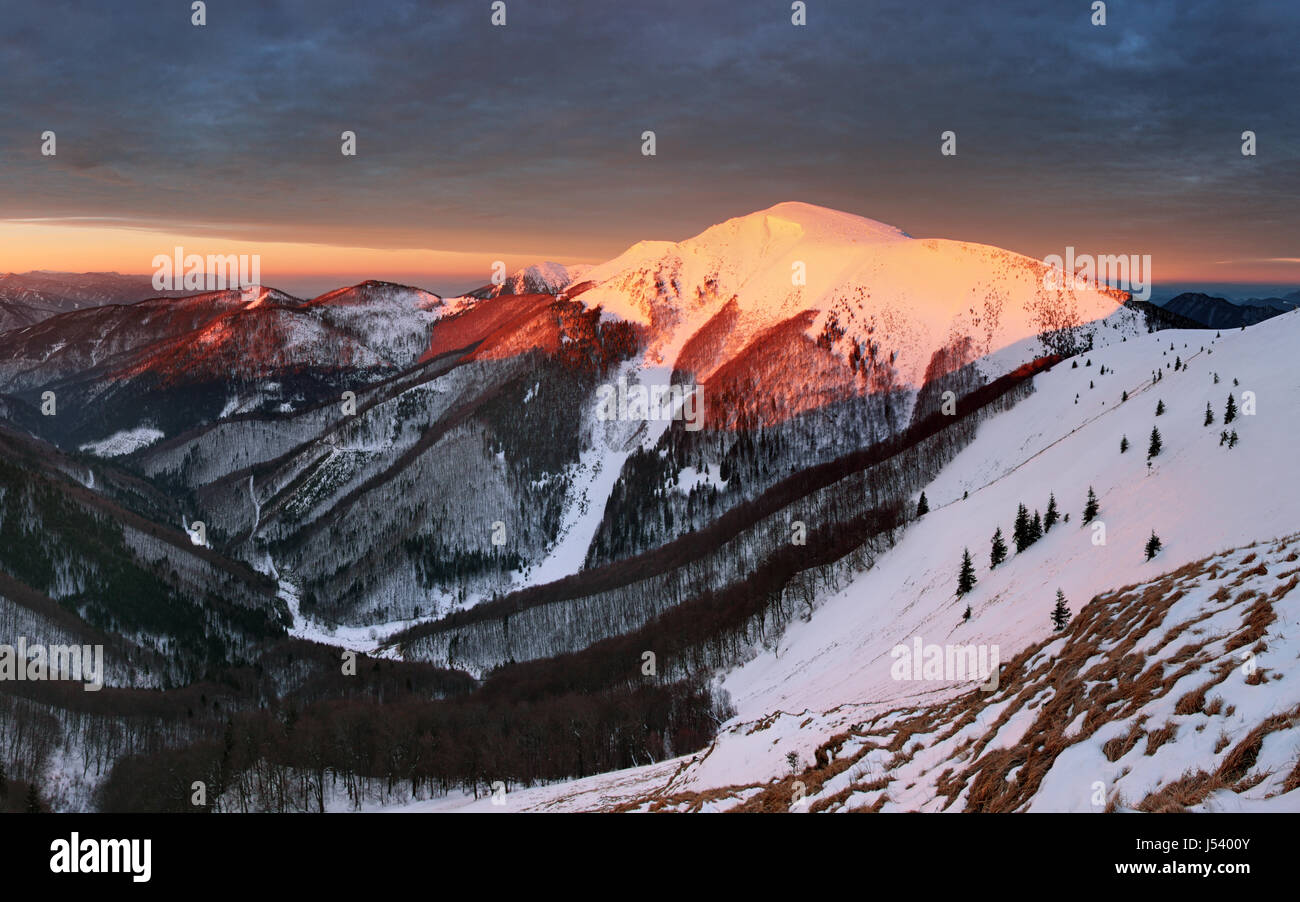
[[288, 265], [308, 268]]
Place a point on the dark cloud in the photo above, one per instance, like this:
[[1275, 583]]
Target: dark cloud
[[530, 134]]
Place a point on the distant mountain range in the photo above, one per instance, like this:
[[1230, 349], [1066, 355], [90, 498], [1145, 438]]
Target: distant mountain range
[[1221, 313], [30, 297]]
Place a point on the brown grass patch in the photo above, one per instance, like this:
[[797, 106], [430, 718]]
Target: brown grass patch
[[1194, 701], [1242, 758], [1157, 738], [1286, 587], [1191, 788], [1256, 624], [1119, 746]]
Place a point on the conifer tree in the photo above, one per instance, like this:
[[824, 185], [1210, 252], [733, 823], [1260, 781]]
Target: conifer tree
[[922, 506], [1160, 408], [1232, 439], [1153, 449], [1060, 613], [1020, 531], [1209, 415], [1124, 396], [1153, 545], [1123, 444], [966, 578], [1231, 413], [1035, 528], [1052, 515], [998, 552], [1091, 507]]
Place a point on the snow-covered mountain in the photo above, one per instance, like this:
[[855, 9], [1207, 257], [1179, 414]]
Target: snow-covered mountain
[[798, 294], [1171, 688], [202, 357], [538, 278]]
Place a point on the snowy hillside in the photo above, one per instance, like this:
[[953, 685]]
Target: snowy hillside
[[1163, 633]]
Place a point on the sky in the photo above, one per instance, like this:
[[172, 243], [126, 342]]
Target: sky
[[521, 143]]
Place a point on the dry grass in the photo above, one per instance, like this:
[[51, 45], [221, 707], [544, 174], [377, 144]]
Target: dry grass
[[1124, 680], [1241, 759], [1256, 624], [1292, 781], [1194, 701], [1119, 746], [1191, 788], [1159, 737]]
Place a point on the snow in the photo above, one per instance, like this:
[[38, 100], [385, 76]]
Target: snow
[[610, 444], [912, 296], [124, 442], [542, 278], [690, 478], [1195, 500], [833, 671]]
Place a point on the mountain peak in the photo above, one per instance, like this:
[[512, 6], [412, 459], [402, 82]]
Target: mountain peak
[[378, 292], [850, 283], [547, 277], [824, 221]]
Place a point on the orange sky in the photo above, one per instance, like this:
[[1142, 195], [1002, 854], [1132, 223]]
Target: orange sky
[[313, 267], [28, 246]]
